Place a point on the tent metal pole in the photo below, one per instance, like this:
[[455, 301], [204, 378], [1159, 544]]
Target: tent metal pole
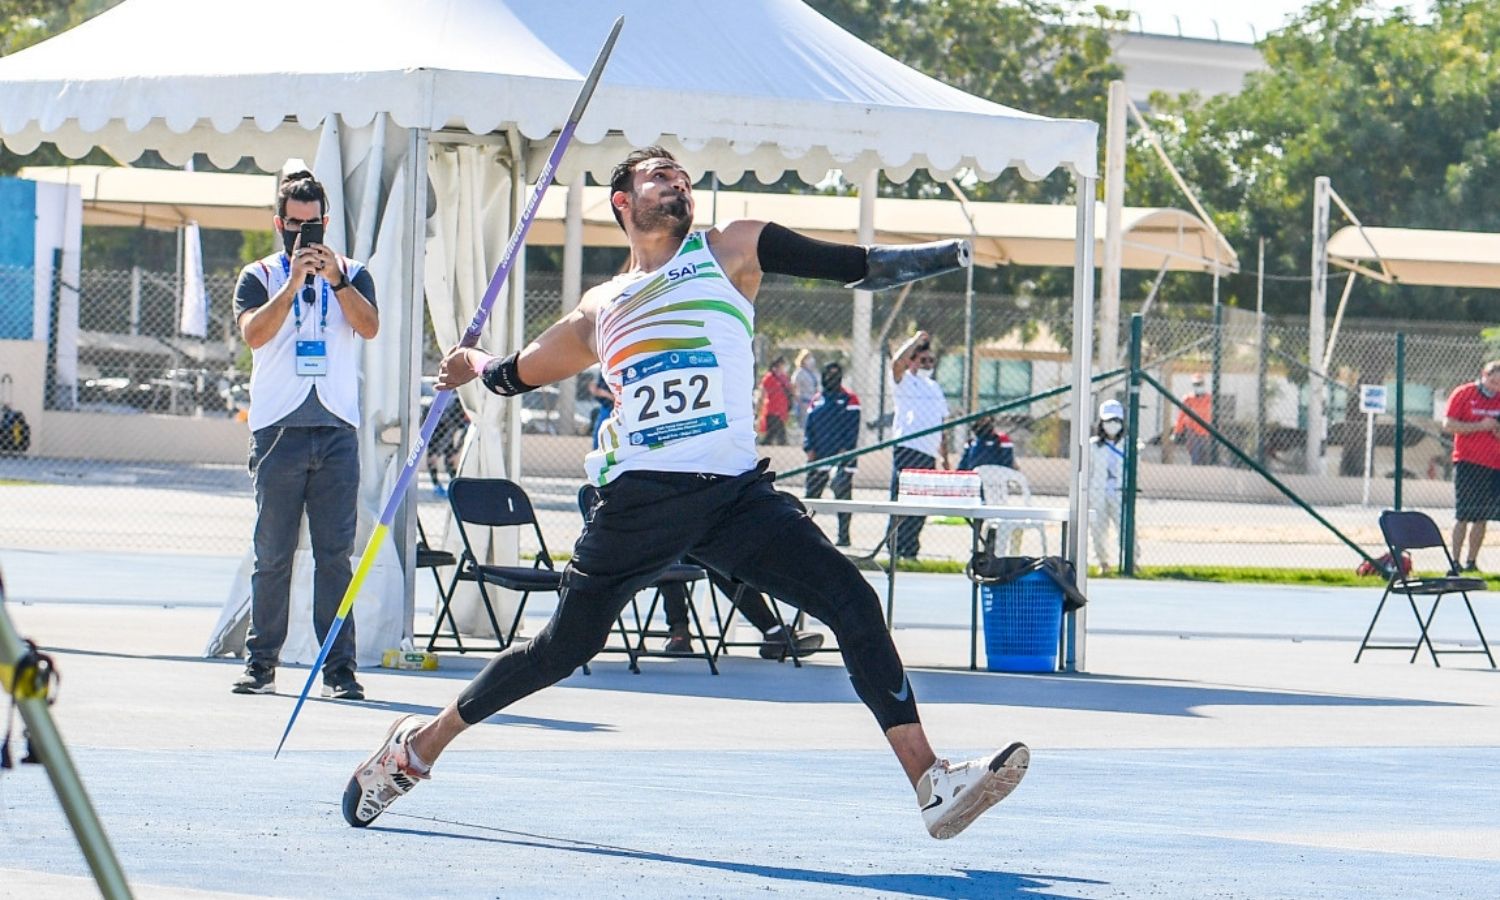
[[1075, 547], [865, 377], [1317, 315], [414, 251], [516, 323], [970, 351], [572, 286], [1114, 203]]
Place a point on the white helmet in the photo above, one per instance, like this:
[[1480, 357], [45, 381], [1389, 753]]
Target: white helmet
[[1111, 409]]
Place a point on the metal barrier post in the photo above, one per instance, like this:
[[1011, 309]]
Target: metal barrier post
[[1132, 450], [1260, 390], [1214, 383], [1400, 418], [30, 694]]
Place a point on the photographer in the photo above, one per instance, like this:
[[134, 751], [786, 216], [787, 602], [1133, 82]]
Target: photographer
[[920, 405], [303, 312]]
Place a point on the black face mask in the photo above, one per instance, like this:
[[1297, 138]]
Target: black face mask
[[289, 240]]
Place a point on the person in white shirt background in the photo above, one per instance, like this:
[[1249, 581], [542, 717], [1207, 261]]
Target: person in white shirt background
[[919, 405]]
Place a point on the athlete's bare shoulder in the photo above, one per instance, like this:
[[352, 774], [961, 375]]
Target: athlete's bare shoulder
[[736, 245], [599, 296], [736, 239]]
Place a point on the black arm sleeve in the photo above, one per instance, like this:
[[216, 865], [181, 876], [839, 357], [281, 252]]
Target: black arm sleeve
[[786, 252]]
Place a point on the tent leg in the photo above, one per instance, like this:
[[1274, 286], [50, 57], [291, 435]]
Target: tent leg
[[1075, 548], [413, 263], [865, 377]]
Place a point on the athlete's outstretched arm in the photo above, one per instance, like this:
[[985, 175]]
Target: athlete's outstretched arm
[[748, 248], [564, 349]]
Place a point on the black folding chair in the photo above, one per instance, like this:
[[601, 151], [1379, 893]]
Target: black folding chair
[[428, 558], [687, 575], [496, 503], [788, 629], [1405, 531]]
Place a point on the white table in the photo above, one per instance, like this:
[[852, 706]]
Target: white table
[[977, 515]]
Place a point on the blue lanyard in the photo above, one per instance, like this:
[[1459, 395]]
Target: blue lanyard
[[286, 269]]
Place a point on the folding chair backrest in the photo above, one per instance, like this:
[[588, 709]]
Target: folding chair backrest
[[490, 501], [1410, 530]]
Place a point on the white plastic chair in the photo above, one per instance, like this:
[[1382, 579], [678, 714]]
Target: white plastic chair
[[999, 484]]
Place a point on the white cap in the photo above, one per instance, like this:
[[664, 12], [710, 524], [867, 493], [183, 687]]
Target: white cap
[[1111, 409]]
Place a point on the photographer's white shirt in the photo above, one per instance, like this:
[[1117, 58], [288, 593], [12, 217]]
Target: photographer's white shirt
[[276, 390]]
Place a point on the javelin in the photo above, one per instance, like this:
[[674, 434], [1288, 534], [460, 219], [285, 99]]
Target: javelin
[[470, 338]]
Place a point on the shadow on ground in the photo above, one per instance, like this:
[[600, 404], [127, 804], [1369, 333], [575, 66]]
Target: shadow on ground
[[963, 882], [762, 681]]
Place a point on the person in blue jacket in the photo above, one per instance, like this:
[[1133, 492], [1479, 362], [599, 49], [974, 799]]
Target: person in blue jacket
[[832, 427], [988, 446]]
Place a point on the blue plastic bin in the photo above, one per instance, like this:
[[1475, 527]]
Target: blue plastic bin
[[1022, 624]]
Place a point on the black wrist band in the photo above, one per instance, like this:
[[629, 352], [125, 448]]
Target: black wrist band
[[343, 282], [501, 377]]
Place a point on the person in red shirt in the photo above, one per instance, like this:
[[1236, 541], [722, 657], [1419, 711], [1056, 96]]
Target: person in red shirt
[[775, 403], [1473, 418], [1199, 444]]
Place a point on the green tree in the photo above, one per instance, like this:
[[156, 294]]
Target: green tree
[[1049, 58], [1400, 113]]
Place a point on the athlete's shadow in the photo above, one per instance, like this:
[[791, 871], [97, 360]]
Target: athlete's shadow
[[743, 679], [958, 882]]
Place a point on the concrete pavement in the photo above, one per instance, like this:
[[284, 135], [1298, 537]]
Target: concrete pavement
[[1222, 744]]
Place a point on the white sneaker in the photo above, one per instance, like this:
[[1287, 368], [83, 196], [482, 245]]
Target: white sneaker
[[386, 775], [952, 796]]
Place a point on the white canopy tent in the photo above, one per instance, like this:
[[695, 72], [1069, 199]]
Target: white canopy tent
[[466, 94]]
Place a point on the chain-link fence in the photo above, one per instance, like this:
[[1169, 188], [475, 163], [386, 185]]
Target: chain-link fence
[[91, 484], [1282, 482]]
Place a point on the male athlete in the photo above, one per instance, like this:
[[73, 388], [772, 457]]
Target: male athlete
[[678, 475]]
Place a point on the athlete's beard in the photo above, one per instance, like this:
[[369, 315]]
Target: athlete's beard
[[671, 215]]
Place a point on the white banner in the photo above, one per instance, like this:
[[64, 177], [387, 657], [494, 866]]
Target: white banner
[[194, 292]]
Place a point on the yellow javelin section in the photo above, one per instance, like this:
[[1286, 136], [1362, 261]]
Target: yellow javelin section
[[366, 560]]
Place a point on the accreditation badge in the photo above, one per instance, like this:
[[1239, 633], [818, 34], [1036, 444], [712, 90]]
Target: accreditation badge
[[312, 357]]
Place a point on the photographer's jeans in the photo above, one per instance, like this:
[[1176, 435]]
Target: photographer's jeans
[[296, 468]]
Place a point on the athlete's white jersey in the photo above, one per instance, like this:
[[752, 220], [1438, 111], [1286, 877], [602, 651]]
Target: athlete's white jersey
[[674, 346]]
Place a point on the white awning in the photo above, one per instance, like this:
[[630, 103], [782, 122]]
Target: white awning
[[1008, 233], [1419, 256], [165, 199]]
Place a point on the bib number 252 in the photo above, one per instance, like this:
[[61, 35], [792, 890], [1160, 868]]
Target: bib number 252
[[674, 397]]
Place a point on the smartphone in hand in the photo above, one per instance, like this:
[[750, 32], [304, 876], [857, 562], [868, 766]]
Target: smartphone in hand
[[312, 233]]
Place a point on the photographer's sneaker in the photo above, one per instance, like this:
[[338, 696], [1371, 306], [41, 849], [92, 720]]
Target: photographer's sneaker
[[340, 685], [258, 679], [386, 775], [952, 796]]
